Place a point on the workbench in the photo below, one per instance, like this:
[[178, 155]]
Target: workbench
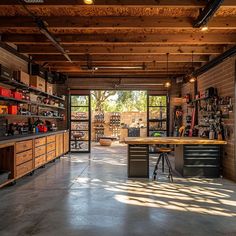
[[193, 156]]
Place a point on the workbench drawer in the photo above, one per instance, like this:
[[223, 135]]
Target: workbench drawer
[[40, 150], [40, 141], [51, 138], [51, 155], [39, 161], [24, 168], [24, 157], [138, 168], [24, 146], [51, 147]]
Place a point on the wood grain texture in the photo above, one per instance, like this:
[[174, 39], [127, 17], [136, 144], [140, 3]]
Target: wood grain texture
[[172, 140]]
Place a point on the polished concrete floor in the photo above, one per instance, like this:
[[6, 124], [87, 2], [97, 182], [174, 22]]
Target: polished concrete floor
[[85, 195]]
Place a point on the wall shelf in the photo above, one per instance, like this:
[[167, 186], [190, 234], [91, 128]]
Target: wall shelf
[[16, 84], [29, 102], [31, 116]]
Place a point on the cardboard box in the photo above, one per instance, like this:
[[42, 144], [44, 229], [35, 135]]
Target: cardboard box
[[33, 97], [49, 88], [22, 77], [37, 82]]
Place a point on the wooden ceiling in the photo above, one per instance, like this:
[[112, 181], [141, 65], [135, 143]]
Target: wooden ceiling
[[119, 38]]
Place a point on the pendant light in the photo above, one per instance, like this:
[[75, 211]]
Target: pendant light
[[167, 84], [192, 78]]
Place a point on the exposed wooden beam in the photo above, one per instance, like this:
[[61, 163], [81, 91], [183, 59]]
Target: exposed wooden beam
[[121, 39], [105, 3], [136, 76], [127, 58], [95, 50], [114, 22], [152, 3]]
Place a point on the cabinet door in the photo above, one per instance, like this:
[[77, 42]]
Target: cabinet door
[[59, 144], [66, 142]]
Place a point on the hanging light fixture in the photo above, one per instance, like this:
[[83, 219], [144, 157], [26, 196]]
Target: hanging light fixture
[[88, 2], [192, 78], [167, 84]]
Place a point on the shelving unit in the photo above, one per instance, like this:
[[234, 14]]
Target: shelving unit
[[16, 84], [157, 114]]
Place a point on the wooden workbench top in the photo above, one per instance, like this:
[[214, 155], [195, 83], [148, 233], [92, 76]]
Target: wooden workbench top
[[171, 140]]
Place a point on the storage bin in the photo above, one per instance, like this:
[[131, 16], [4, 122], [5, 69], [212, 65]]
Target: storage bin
[[12, 110], [5, 92], [49, 88], [3, 109], [37, 82], [33, 97], [22, 77], [17, 95]]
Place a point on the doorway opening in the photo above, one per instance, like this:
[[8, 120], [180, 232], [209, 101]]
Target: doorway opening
[[104, 118]]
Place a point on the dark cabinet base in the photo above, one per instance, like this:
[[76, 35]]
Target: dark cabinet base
[[198, 160], [138, 161]]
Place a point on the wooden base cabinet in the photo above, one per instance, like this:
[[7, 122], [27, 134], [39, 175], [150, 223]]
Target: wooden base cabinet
[[59, 144], [66, 142], [40, 152], [23, 157]]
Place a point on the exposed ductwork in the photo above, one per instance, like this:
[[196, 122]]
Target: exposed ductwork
[[206, 14]]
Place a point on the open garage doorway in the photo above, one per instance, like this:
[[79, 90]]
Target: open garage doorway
[[102, 119], [115, 115]]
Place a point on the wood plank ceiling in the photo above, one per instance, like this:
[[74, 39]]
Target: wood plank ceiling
[[119, 38]]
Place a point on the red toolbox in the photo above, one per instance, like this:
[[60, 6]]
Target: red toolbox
[[5, 92], [12, 110], [17, 95]]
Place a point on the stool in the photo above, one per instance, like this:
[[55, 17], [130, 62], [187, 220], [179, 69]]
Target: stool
[[164, 157]]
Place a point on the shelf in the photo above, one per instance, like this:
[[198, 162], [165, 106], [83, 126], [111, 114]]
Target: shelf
[[201, 99], [29, 102], [16, 84], [79, 130], [31, 116], [157, 120], [80, 120], [152, 130]]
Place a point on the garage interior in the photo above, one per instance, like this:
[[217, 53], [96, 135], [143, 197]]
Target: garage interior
[[54, 54]]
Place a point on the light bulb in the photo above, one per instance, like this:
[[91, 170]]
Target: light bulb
[[88, 2], [167, 84], [204, 28]]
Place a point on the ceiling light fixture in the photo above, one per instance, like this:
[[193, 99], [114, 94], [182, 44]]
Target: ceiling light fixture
[[88, 2], [167, 84], [204, 28], [192, 78]]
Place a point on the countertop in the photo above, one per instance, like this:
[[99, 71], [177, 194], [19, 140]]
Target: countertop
[[172, 140], [16, 138]]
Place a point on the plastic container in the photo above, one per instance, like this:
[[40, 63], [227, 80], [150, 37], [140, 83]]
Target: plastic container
[[17, 95], [5, 92], [13, 109]]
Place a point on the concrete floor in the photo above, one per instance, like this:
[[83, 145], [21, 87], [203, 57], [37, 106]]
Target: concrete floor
[[90, 195]]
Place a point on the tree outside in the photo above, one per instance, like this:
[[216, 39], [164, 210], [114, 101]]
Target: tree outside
[[118, 101]]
